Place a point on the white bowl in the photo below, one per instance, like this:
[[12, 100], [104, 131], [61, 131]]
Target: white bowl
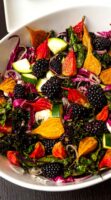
[[98, 19]]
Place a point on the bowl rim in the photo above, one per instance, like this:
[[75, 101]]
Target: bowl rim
[[56, 188]]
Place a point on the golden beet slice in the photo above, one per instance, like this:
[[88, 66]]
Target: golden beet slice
[[8, 85], [105, 76], [86, 38], [92, 64], [52, 128], [87, 145], [37, 36]]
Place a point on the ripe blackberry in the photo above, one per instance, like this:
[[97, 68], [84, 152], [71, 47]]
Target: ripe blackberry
[[40, 68], [76, 111], [52, 170], [52, 88], [101, 43], [31, 96], [48, 144], [56, 63], [27, 140], [20, 119], [19, 91], [68, 136], [96, 97], [96, 127]]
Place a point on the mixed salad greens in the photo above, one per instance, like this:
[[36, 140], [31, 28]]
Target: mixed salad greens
[[55, 104]]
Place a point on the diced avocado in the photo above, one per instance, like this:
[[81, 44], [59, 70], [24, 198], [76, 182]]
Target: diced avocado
[[107, 141], [57, 110], [40, 83], [43, 115], [56, 45], [22, 66], [49, 74], [29, 78]]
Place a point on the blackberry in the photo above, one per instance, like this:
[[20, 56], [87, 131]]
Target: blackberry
[[56, 63], [68, 136], [40, 68], [76, 111], [101, 43], [96, 97], [52, 170], [48, 144], [31, 96], [52, 88], [20, 119], [96, 127], [19, 91], [27, 140]]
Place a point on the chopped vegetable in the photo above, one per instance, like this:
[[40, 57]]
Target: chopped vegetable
[[37, 36], [22, 66], [8, 85], [78, 28], [56, 45], [38, 152], [40, 83], [41, 104], [103, 115], [69, 64], [12, 157], [105, 76], [107, 141], [87, 145], [29, 78], [58, 151], [86, 38], [52, 128], [91, 63], [106, 160], [42, 50], [76, 96]]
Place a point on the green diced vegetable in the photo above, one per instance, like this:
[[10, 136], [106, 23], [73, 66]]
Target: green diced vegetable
[[56, 45], [22, 66], [29, 78]]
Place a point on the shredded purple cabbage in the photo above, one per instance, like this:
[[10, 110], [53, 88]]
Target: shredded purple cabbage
[[19, 53], [19, 103], [107, 88], [30, 88], [26, 52], [32, 119], [13, 53], [106, 34], [70, 179], [83, 72], [13, 74]]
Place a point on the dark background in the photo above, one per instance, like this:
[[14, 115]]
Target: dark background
[[9, 191]]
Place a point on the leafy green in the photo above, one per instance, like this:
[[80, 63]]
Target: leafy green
[[5, 112], [77, 46], [105, 59], [51, 159]]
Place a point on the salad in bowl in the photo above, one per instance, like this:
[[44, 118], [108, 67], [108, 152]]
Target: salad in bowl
[[55, 104]]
